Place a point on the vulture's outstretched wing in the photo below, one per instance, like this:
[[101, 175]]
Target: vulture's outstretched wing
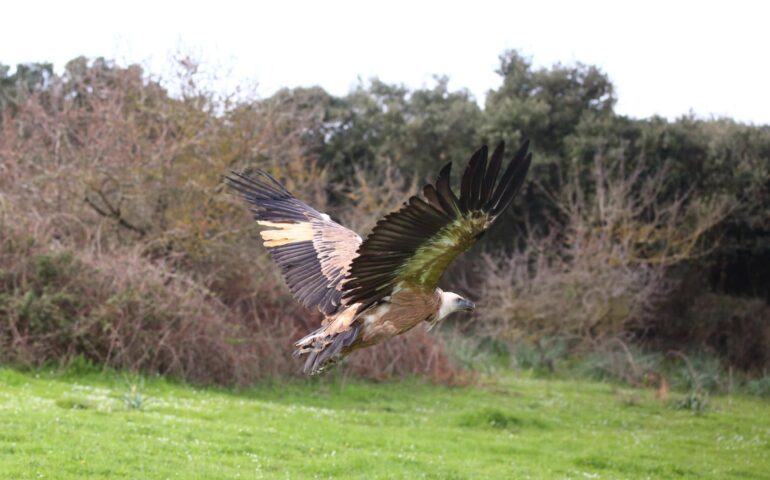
[[313, 251], [414, 245]]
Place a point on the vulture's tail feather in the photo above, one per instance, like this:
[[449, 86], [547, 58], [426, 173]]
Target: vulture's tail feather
[[324, 349]]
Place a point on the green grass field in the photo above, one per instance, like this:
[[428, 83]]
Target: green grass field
[[93, 425]]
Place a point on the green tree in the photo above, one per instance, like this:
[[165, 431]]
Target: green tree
[[418, 131], [545, 105]]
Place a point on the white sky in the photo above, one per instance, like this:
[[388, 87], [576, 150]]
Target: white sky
[[665, 58]]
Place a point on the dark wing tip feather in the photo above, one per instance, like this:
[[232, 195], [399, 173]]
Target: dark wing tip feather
[[513, 188], [480, 190], [477, 178], [511, 174], [252, 186], [447, 197], [466, 183], [492, 170]]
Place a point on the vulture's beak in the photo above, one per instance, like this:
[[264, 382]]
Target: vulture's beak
[[466, 305]]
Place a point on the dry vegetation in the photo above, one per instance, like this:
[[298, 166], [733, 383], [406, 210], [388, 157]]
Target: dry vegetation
[[605, 273], [118, 241]]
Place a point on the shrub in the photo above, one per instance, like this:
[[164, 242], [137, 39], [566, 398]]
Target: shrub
[[759, 387], [736, 327], [605, 272]]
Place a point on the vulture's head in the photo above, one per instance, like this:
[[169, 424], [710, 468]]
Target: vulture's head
[[452, 302]]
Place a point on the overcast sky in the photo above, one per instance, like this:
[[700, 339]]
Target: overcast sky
[[666, 58]]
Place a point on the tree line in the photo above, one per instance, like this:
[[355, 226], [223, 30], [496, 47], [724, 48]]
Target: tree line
[[647, 230]]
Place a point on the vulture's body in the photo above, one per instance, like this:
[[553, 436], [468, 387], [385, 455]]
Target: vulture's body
[[374, 289]]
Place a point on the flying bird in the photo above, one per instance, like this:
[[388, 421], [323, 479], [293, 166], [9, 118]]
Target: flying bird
[[370, 290]]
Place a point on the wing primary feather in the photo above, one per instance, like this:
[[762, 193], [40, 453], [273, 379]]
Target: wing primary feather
[[491, 175], [477, 177], [508, 175], [256, 185], [275, 182], [248, 190], [513, 188], [465, 183], [446, 196]]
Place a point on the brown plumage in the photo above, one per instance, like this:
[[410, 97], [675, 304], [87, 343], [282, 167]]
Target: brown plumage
[[373, 290]]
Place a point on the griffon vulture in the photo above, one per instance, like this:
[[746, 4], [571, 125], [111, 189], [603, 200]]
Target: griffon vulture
[[374, 289]]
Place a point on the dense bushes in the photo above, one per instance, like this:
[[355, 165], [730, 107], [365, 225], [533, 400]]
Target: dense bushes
[[119, 242], [605, 270], [115, 309]]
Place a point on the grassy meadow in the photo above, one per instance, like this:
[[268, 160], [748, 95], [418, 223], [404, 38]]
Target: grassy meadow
[[87, 424]]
